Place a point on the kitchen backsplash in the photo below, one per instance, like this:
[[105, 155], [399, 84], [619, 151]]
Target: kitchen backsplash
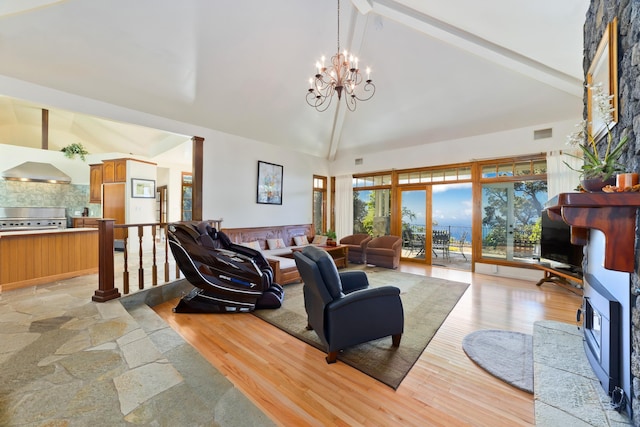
[[74, 198]]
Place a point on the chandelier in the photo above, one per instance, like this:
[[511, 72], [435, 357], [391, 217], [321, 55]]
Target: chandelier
[[342, 77]]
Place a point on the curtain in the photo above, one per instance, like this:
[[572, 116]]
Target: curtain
[[560, 177], [344, 206]]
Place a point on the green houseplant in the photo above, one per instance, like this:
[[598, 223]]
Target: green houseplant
[[75, 149], [599, 165], [331, 237]]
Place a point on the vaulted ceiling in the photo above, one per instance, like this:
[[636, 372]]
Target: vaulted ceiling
[[443, 69]]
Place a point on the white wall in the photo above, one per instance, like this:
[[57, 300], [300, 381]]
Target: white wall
[[12, 155], [230, 183], [139, 210], [502, 144], [231, 163], [230, 170]]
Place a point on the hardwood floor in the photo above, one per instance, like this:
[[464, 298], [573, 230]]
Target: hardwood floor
[[291, 382]]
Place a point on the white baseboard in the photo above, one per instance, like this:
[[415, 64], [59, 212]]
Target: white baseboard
[[507, 271]]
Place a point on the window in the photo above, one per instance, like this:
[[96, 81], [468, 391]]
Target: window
[[187, 196], [372, 204], [319, 204]]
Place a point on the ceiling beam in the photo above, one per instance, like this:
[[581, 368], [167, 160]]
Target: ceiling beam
[[359, 25], [363, 6], [476, 45], [12, 7]]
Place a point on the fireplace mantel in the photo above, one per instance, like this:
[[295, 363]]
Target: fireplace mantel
[[612, 213]]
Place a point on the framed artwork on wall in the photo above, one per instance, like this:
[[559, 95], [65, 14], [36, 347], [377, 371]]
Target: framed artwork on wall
[[143, 188], [604, 71], [269, 183]]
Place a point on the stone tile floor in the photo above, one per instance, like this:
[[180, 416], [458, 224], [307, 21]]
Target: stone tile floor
[[68, 361], [567, 392]]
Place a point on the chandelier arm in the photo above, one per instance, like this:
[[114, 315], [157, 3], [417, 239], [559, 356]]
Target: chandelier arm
[[350, 101], [368, 87]]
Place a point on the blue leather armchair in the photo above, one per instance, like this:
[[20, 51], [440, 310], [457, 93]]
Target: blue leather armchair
[[341, 308]]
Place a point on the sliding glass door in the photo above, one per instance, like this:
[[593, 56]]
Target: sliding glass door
[[413, 204], [510, 214]]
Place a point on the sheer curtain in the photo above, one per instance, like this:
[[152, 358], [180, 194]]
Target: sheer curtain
[[344, 206], [560, 177]]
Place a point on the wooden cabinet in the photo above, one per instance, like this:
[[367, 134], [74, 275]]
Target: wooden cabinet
[[85, 222], [114, 206], [95, 183], [34, 258], [114, 170]]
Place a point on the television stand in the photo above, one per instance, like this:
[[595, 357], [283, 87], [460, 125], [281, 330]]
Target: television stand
[[564, 278]]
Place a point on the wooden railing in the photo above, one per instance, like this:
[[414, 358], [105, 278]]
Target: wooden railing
[[107, 289]]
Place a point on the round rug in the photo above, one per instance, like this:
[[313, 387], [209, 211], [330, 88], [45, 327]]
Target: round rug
[[506, 355]]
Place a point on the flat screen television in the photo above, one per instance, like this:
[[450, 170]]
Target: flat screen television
[[555, 245]]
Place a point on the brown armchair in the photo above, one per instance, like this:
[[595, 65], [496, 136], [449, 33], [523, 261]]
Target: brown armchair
[[384, 251], [357, 244]]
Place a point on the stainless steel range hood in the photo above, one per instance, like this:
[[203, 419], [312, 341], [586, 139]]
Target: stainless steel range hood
[[36, 172]]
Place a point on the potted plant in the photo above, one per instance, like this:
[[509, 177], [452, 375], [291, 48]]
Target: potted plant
[[75, 149], [331, 237], [600, 167]]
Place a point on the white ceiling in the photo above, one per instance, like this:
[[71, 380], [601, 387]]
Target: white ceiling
[[443, 69]]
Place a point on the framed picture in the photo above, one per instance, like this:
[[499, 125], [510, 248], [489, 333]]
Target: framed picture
[[604, 71], [143, 188], [269, 183]]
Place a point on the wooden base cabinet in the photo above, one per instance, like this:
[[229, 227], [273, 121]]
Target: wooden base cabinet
[[85, 222], [36, 257]]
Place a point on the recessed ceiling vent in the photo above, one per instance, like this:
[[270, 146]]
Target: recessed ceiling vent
[[542, 133], [36, 172], [359, 161]]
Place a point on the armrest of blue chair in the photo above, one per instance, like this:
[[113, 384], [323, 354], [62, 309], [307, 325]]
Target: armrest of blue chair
[[364, 315], [353, 281]]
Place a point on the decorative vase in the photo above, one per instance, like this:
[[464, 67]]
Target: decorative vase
[[595, 185]]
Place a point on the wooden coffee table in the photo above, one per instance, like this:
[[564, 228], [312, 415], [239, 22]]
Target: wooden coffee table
[[339, 253]]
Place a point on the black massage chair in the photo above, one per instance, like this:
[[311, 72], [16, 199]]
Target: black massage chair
[[227, 277]]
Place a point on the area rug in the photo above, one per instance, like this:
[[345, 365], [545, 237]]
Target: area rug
[[506, 355], [426, 301]]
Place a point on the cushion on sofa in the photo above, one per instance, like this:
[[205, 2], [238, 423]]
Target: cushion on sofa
[[276, 244], [253, 245], [300, 240], [284, 262], [277, 252], [319, 240]]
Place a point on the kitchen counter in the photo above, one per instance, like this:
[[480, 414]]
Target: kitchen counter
[[38, 232], [34, 257]]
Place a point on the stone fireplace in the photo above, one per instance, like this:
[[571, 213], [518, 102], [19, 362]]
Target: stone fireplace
[[624, 286], [606, 324]]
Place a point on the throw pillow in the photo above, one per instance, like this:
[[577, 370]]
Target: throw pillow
[[276, 244], [319, 240], [300, 240], [253, 245]]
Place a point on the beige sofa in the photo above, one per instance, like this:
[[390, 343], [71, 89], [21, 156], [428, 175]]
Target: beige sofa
[[282, 238]]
